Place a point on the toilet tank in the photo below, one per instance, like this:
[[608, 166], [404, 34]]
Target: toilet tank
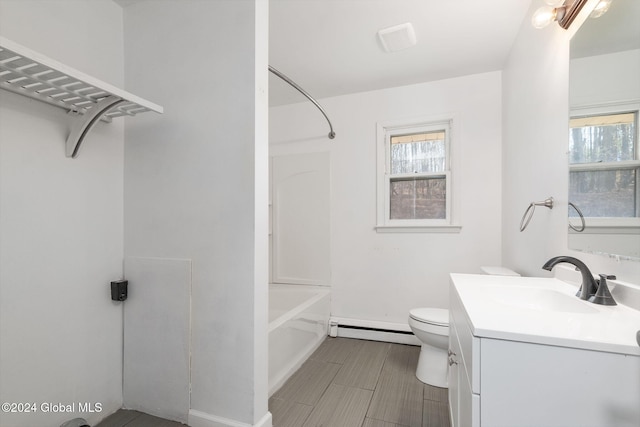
[[498, 271]]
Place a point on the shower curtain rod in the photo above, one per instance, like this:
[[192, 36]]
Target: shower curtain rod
[[332, 134]]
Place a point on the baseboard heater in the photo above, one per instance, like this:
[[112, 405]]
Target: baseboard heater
[[372, 330]]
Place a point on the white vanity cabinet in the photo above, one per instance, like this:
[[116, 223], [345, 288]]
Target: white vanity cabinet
[[464, 398], [502, 379]]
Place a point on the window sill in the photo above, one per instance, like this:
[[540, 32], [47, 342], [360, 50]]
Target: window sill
[[608, 229], [418, 228]]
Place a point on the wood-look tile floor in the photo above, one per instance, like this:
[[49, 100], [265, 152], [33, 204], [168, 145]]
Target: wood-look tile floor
[[345, 383], [129, 418], [356, 383]]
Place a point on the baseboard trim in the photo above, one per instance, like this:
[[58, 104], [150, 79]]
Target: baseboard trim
[[203, 419], [398, 333]]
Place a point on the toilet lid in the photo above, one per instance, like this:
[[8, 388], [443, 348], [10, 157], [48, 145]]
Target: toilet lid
[[435, 316]]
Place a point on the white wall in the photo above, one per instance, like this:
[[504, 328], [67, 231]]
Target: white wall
[[196, 186], [61, 222], [380, 276], [535, 128]]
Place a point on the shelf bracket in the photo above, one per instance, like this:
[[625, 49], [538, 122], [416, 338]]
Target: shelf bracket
[[85, 122]]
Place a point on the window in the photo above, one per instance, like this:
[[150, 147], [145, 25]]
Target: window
[[414, 176], [604, 166]]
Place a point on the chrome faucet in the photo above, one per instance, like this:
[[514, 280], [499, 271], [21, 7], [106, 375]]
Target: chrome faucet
[[589, 285]]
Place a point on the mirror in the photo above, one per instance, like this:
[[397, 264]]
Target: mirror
[[604, 135]]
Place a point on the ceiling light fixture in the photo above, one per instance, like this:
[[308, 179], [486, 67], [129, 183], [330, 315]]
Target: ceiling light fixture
[[546, 15], [563, 11]]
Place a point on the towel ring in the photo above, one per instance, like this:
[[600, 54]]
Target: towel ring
[[581, 229], [528, 214]]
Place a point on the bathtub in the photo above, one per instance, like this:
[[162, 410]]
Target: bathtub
[[298, 323]]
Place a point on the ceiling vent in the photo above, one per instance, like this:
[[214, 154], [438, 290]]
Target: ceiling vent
[[397, 38]]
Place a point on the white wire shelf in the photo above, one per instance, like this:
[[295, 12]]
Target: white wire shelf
[[36, 76]]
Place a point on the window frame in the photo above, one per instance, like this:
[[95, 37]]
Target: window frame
[[610, 224], [386, 130]]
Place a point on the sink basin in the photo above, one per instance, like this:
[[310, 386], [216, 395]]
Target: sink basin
[[543, 311], [540, 299]]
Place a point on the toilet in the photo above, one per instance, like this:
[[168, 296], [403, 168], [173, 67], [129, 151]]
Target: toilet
[[431, 327]]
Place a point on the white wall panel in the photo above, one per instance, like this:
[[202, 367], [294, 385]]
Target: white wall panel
[[157, 337], [196, 183]]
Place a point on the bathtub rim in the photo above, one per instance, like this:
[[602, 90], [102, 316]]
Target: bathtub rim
[[318, 293]]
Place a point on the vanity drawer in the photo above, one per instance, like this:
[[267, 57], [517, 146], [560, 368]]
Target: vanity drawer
[[469, 403], [469, 344], [464, 404]]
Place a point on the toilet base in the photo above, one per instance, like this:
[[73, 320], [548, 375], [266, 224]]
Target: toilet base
[[432, 366]]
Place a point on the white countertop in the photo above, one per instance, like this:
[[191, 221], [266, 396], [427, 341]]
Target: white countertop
[[494, 312]]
